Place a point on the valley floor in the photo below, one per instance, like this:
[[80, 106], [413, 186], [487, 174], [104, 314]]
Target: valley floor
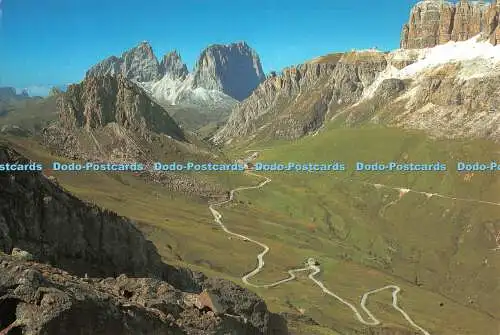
[[440, 249]]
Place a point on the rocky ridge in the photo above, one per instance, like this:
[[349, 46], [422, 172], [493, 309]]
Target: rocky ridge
[[233, 70], [448, 89], [102, 243], [87, 248], [434, 22], [99, 101], [296, 102], [111, 119]]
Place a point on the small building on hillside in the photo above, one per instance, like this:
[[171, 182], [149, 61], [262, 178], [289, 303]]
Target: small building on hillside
[[209, 301]]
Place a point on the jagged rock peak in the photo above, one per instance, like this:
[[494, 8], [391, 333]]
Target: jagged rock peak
[[434, 22], [173, 66], [234, 69], [139, 64], [100, 100]]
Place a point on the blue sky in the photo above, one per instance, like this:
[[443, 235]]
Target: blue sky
[[52, 42]]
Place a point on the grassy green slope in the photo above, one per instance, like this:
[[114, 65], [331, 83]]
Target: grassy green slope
[[437, 250], [441, 244], [32, 114]]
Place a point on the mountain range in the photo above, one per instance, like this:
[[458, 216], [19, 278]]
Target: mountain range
[[223, 75], [445, 84], [368, 231], [85, 244]]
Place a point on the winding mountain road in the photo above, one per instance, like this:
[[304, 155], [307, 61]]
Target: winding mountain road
[[311, 266]]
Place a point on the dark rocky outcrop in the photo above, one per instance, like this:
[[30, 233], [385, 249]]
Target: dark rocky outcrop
[[434, 22], [80, 239], [234, 69], [37, 216]]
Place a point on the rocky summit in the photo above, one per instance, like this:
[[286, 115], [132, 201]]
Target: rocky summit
[[139, 64], [434, 22], [172, 66], [234, 69], [75, 268], [113, 109], [101, 100]]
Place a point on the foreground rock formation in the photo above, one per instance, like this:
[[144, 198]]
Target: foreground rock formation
[[434, 22], [87, 248], [138, 63], [172, 66]]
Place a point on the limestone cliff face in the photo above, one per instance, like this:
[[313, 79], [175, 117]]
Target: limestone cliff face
[[296, 102], [445, 106], [434, 22], [234, 69], [492, 21]]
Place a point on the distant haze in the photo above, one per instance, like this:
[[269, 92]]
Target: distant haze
[[40, 90]]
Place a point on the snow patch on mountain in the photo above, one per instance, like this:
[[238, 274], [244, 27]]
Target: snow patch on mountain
[[470, 52], [476, 59], [181, 92]]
